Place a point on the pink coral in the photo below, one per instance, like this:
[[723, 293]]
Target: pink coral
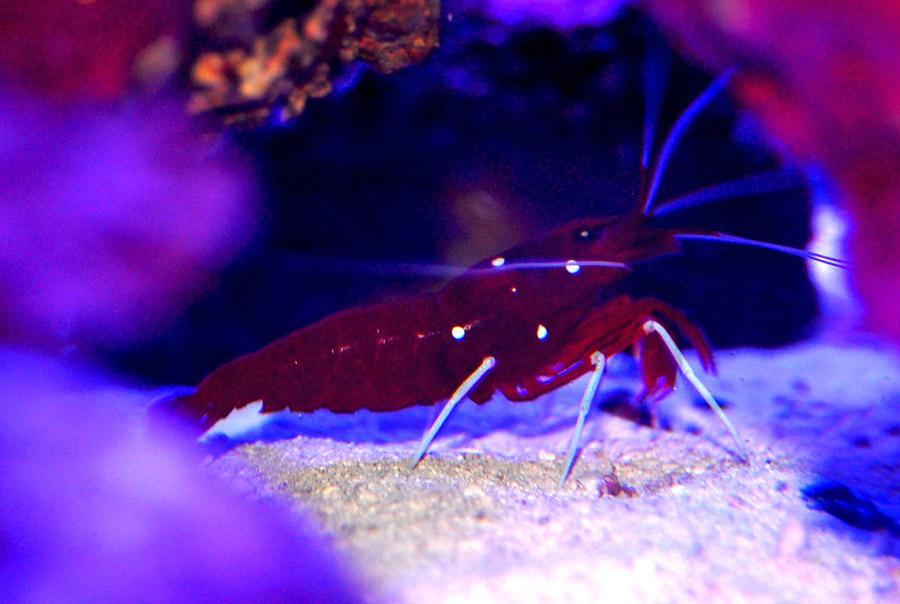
[[85, 50], [823, 78]]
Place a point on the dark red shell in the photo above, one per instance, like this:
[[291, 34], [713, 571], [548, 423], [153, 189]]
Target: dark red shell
[[541, 325]]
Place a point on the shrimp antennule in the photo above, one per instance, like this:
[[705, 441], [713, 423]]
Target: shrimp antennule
[[772, 181], [656, 77], [681, 125]]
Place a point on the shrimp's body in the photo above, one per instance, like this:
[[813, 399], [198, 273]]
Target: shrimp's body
[[523, 323], [541, 326]]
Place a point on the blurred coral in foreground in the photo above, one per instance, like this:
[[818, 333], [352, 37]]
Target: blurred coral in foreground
[[93, 512], [89, 50], [114, 213], [110, 221], [823, 78]]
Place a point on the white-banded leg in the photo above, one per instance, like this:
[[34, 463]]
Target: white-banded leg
[[459, 394], [688, 372], [598, 360]]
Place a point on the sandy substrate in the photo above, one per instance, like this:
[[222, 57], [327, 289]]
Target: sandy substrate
[[649, 515]]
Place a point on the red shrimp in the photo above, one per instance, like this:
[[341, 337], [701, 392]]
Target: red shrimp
[[541, 326], [516, 323]]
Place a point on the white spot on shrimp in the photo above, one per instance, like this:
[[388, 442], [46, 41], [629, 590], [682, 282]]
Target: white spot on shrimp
[[458, 332], [542, 332], [573, 267], [498, 261]]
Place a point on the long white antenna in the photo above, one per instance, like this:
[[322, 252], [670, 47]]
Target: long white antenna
[[323, 264], [572, 266], [784, 249]]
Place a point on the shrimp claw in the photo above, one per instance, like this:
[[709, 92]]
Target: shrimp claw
[[599, 362], [688, 372], [459, 394]]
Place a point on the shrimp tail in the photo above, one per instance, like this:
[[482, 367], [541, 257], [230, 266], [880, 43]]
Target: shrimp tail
[[182, 409]]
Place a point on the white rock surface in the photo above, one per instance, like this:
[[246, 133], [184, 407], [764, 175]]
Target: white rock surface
[[649, 515]]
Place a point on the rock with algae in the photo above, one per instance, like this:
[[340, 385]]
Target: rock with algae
[[277, 71]]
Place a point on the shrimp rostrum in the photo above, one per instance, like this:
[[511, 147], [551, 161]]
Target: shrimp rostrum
[[522, 323]]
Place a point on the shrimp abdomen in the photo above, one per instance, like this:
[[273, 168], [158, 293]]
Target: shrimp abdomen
[[382, 357]]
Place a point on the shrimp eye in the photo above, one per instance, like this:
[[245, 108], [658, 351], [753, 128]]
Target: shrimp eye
[[585, 235]]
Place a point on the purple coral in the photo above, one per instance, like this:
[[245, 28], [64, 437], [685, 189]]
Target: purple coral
[[94, 512]]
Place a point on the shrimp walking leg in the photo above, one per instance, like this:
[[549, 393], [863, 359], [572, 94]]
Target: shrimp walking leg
[[688, 372], [599, 362], [459, 394]]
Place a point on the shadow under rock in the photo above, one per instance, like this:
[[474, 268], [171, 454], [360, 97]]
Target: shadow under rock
[[858, 478]]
